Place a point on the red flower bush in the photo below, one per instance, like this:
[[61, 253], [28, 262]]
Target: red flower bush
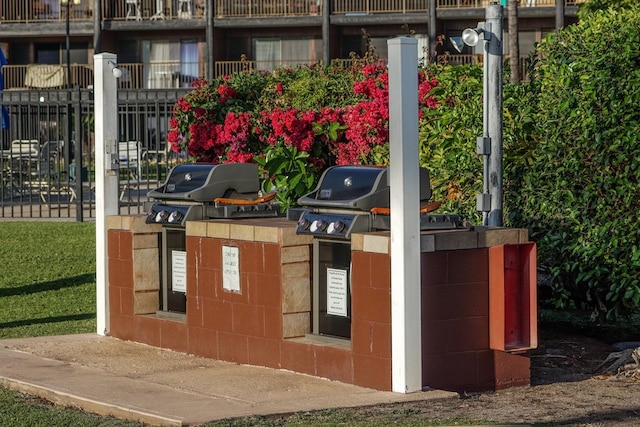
[[226, 121]]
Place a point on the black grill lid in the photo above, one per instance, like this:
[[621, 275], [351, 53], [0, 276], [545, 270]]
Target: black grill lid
[[357, 187], [202, 182]]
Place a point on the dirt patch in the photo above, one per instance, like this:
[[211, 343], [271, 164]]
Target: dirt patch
[[565, 390]]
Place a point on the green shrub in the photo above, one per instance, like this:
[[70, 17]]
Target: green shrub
[[447, 137], [580, 188]]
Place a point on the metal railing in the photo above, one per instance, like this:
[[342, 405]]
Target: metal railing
[[259, 8], [156, 75], [43, 176], [137, 10], [160, 75], [354, 7], [448, 4], [44, 10]]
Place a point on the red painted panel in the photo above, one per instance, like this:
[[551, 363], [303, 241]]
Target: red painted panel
[[512, 297]]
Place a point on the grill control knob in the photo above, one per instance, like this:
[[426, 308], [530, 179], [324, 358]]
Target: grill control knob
[[335, 227], [318, 225], [304, 223], [161, 216], [175, 216]]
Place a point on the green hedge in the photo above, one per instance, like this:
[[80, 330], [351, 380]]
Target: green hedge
[[578, 188]]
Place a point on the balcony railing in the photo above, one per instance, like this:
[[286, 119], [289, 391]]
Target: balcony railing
[[259, 8], [156, 75], [452, 4], [160, 75], [138, 10], [44, 10], [45, 76], [356, 7]]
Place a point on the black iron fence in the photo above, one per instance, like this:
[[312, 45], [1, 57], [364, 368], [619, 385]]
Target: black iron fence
[[44, 176]]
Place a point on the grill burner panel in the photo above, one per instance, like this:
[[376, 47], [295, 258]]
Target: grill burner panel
[[173, 214], [339, 225]]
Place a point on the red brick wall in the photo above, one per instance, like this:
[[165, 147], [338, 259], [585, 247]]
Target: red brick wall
[[455, 326], [247, 327]]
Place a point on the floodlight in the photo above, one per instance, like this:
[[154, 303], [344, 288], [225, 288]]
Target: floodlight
[[457, 43], [117, 72]]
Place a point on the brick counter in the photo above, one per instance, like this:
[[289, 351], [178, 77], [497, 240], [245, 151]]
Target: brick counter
[[267, 323]]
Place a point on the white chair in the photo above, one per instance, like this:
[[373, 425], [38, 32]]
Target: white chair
[[129, 160], [133, 10], [159, 11], [184, 9]]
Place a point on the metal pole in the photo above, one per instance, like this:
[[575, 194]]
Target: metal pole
[[326, 30], [431, 28], [78, 157], [493, 94], [210, 72], [68, 40], [67, 146]]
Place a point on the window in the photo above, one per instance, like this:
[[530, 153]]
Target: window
[[169, 64], [47, 53], [273, 52]]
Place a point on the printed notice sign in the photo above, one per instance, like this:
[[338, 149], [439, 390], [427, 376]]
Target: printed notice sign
[[337, 292], [179, 271], [230, 269]]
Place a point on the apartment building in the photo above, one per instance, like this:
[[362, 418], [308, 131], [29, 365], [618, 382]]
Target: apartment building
[[169, 43]]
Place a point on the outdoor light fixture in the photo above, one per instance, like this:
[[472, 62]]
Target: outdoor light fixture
[[470, 37], [117, 72]]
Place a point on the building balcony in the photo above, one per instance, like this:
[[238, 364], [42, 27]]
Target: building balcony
[[21, 11], [368, 7], [462, 4], [138, 10], [44, 10], [267, 8]]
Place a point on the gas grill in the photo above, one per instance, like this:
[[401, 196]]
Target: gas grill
[[198, 192], [352, 199], [347, 200], [207, 191]]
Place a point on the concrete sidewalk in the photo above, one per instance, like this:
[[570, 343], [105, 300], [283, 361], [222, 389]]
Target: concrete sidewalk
[[161, 387]]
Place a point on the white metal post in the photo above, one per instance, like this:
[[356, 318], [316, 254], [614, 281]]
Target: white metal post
[[406, 340], [106, 137]]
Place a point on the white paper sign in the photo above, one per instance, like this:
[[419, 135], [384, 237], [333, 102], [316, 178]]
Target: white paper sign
[[179, 271], [230, 269], [337, 292]]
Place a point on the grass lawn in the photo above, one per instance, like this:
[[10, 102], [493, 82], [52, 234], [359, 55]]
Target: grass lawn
[[47, 279], [47, 287]]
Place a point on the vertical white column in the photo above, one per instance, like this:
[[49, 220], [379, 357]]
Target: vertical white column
[[406, 341], [106, 137]]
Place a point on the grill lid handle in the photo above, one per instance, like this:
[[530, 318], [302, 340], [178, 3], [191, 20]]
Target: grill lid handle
[[264, 199], [429, 207]]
